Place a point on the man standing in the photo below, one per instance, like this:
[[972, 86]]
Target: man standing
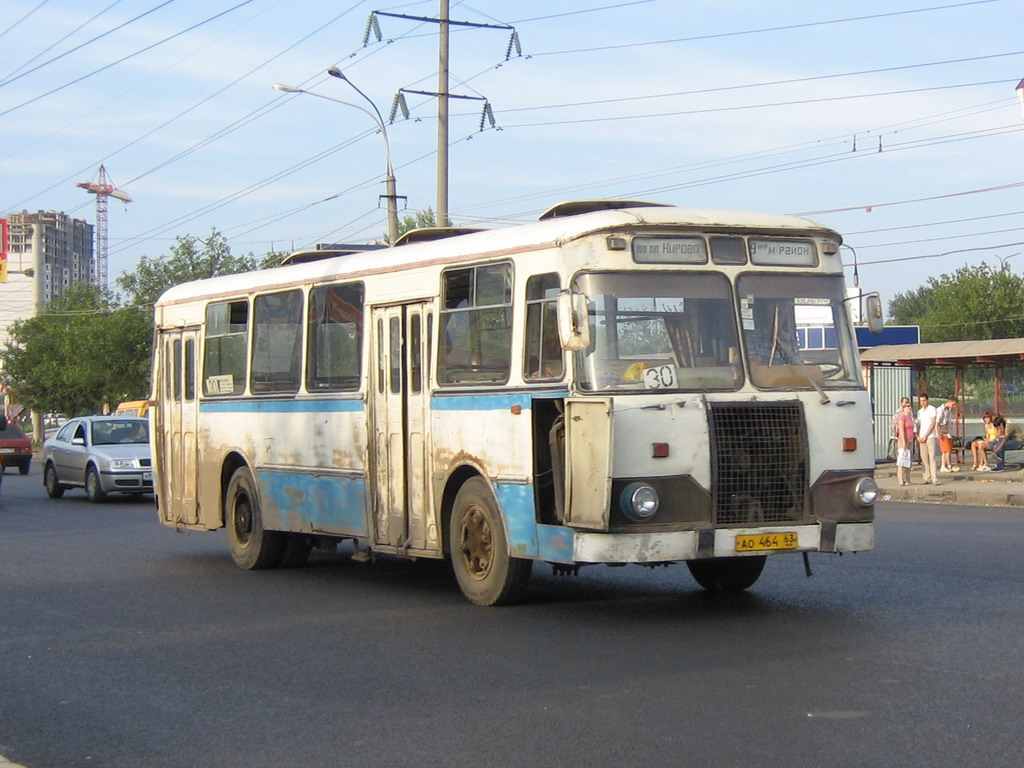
[[945, 426], [927, 439]]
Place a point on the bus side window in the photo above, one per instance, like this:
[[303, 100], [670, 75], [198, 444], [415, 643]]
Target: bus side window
[[542, 358], [277, 342], [177, 369], [335, 338], [415, 354], [476, 325], [224, 364], [190, 369]]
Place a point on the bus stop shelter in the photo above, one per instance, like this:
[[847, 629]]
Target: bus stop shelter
[[985, 375]]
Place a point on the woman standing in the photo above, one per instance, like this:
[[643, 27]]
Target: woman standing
[[905, 440]]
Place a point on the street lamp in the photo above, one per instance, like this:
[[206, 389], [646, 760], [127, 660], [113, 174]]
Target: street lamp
[[1003, 266], [389, 181]]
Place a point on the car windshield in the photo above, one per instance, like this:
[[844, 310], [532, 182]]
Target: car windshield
[[660, 331], [795, 331], [113, 431], [12, 433]]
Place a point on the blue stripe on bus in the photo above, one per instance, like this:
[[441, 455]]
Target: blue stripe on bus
[[327, 503], [516, 502], [555, 543], [281, 406], [484, 402]]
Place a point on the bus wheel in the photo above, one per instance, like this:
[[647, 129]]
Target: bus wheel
[[727, 574], [295, 551], [54, 489], [252, 548], [486, 572]]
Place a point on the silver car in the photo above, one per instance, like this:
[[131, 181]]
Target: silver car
[[103, 454]]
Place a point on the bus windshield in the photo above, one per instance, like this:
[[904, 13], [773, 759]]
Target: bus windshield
[[660, 331], [795, 331]]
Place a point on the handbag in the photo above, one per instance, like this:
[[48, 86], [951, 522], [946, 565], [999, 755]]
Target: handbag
[[894, 445], [903, 457]]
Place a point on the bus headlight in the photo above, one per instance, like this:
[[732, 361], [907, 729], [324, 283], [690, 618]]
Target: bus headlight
[[639, 501], [865, 493]]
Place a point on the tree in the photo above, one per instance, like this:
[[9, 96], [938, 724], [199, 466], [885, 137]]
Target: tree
[[80, 353], [976, 302], [87, 350], [190, 259], [422, 220]]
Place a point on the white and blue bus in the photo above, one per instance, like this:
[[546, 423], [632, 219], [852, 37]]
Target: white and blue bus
[[620, 382]]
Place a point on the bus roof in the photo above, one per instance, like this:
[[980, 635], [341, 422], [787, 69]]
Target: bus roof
[[504, 240]]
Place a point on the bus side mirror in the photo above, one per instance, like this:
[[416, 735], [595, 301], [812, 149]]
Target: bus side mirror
[[873, 310], [573, 325]]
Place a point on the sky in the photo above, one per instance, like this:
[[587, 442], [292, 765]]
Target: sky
[[897, 123]]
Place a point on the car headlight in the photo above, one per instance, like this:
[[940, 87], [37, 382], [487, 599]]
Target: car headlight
[[123, 463], [865, 492], [639, 501]]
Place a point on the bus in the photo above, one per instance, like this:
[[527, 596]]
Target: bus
[[619, 382]]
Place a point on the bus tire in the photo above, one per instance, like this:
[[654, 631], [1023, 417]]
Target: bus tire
[[484, 569], [54, 488], [93, 487], [727, 575], [252, 548], [295, 551]]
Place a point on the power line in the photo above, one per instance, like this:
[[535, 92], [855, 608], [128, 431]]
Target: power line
[[765, 84], [44, 2], [762, 30], [124, 58], [947, 196], [7, 80], [739, 107]]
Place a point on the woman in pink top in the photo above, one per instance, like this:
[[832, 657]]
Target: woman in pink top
[[905, 439]]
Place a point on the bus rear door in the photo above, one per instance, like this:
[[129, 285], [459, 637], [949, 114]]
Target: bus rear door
[[176, 429], [399, 411]]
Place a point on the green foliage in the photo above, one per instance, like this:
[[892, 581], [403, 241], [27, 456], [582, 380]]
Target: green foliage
[[973, 303], [190, 259], [81, 352], [424, 219], [87, 350]]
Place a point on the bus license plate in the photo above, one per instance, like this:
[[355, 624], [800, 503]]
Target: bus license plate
[[758, 542]]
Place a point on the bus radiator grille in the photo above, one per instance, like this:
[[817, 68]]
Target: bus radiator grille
[[758, 463]]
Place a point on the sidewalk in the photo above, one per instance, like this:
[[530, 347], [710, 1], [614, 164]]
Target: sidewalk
[[984, 489]]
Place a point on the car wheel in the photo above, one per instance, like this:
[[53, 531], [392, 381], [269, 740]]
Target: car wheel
[[53, 487], [486, 572], [24, 468], [252, 548], [93, 489]]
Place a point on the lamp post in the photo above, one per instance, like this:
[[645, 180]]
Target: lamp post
[[389, 181]]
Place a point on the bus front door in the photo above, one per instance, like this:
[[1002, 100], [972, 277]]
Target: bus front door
[[175, 424], [401, 499]]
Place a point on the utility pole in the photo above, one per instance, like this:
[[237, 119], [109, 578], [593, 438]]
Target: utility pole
[[442, 118], [443, 94]]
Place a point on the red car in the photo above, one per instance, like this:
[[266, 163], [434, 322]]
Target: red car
[[15, 449]]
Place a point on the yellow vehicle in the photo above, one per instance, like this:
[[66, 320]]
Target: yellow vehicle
[[138, 408]]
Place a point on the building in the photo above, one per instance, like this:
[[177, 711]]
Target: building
[[42, 255], [47, 253]]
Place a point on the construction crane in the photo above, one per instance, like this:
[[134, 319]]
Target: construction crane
[[102, 188]]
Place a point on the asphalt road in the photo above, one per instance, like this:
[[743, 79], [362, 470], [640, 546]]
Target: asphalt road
[[123, 643]]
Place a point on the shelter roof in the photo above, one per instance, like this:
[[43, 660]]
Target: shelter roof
[[946, 352]]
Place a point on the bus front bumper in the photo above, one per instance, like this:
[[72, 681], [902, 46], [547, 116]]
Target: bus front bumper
[[673, 546]]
